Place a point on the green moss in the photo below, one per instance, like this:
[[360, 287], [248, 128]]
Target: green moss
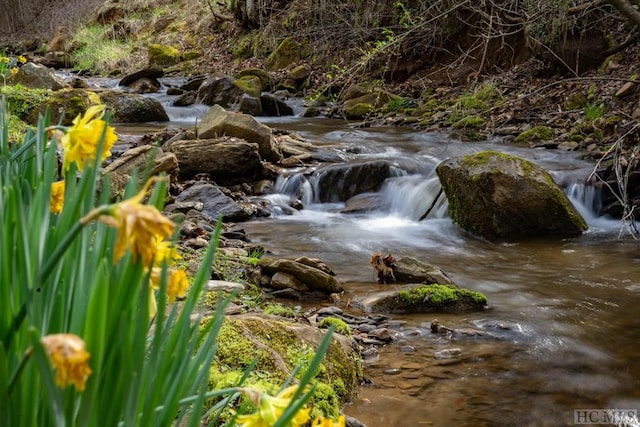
[[466, 105], [21, 101], [575, 101], [284, 55], [359, 111], [324, 402], [250, 85], [485, 92], [341, 325], [470, 122], [276, 309], [17, 129], [470, 103], [536, 133], [441, 295], [163, 56], [240, 341]]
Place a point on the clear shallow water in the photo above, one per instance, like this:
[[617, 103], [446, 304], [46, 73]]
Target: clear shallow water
[[562, 325]]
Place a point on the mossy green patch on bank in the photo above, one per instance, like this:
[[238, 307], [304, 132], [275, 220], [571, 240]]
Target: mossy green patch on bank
[[341, 325], [536, 133]]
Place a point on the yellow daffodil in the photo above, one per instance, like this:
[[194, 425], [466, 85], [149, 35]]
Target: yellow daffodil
[[81, 141], [140, 227], [176, 287], [14, 71], [328, 422], [5, 59], [57, 197], [22, 59], [69, 358], [166, 251], [271, 408]]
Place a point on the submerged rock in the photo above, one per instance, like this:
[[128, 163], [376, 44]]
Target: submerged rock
[[499, 196]]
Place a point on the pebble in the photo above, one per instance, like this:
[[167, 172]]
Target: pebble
[[407, 349], [392, 371]]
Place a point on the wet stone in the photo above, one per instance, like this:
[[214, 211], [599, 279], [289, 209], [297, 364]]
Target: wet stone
[[407, 349], [366, 328], [392, 371], [382, 334], [448, 353], [329, 310]]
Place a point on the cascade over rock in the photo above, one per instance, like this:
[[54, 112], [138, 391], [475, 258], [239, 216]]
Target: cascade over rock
[[498, 196]]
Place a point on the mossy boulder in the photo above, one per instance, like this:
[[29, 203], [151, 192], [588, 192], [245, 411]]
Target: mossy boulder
[[163, 55], [357, 104], [535, 134], [285, 54], [280, 345], [251, 85], [64, 105], [267, 80], [498, 196], [358, 110], [421, 298], [470, 122]]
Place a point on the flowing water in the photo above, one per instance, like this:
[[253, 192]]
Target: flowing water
[[562, 322]]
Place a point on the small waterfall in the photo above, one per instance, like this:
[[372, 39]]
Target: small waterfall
[[586, 198], [411, 196]]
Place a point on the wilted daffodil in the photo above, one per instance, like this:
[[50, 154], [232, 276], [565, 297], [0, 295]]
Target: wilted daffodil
[[271, 408], [140, 227], [328, 422], [69, 359], [57, 197], [81, 141]]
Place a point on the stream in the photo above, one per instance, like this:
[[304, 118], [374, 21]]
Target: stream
[[562, 322]]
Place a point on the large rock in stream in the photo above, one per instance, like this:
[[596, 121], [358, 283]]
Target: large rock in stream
[[218, 122], [227, 159], [498, 196]]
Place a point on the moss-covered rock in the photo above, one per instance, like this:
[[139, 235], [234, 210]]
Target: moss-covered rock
[[420, 298], [358, 111], [470, 122], [341, 325], [163, 56], [536, 133], [64, 105], [267, 81], [279, 346], [251, 85], [499, 196], [285, 54]]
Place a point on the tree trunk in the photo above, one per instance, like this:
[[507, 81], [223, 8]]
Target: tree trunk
[[627, 10]]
